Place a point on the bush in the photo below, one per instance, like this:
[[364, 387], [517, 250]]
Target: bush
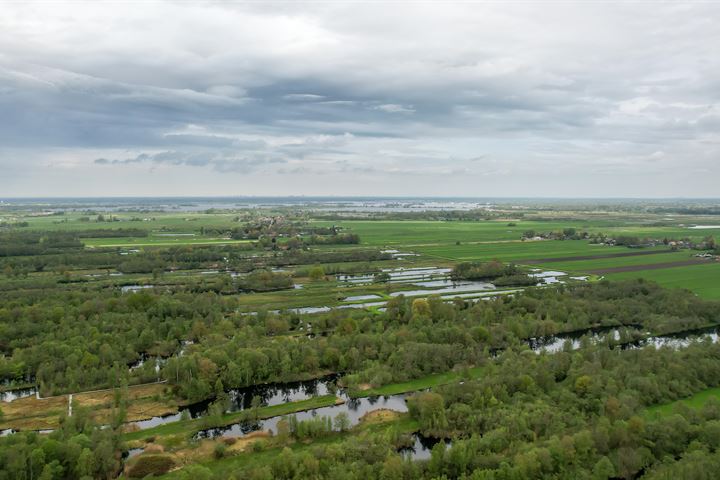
[[151, 465], [515, 280], [219, 450]]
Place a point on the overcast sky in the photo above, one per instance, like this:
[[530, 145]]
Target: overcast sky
[[379, 98]]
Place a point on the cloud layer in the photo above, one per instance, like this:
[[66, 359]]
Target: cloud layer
[[476, 99]]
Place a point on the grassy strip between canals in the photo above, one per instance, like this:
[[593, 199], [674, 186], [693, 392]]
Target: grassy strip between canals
[[194, 425], [695, 401], [420, 383]]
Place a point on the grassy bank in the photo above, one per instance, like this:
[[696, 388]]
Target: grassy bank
[[420, 383], [191, 426]]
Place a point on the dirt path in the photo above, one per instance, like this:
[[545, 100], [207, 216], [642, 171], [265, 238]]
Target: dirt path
[[652, 266]]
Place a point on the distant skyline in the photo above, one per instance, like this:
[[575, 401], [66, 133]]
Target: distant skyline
[[425, 99]]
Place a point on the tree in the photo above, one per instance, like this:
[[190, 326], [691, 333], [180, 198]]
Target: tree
[[429, 409], [603, 469], [316, 273], [420, 308], [86, 463], [342, 422]]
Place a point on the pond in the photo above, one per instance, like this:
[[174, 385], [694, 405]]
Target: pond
[[422, 446], [11, 395], [134, 288], [361, 297], [451, 288]]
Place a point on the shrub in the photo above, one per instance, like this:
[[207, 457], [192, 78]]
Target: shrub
[[151, 465], [219, 450]]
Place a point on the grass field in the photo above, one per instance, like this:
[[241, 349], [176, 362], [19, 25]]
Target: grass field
[[578, 266], [695, 401], [157, 241], [411, 233], [421, 383], [701, 279], [171, 221], [428, 233], [522, 252]]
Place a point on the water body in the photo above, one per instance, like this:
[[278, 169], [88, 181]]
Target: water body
[[11, 395], [452, 288], [242, 398], [134, 288], [280, 393], [557, 343], [133, 452], [397, 275], [548, 277], [361, 297], [354, 408], [624, 338], [422, 446]]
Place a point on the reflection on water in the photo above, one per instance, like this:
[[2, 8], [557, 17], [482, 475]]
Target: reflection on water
[[451, 288], [11, 395], [422, 446], [357, 298], [134, 288], [354, 408], [626, 337], [266, 395]]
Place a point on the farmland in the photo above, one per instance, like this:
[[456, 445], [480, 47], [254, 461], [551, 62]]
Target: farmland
[[213, 339], [701, 279]]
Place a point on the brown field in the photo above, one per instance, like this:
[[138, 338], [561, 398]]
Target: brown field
[[30, 413]]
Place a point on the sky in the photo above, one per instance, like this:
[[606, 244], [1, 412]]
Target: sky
[[176, 98]]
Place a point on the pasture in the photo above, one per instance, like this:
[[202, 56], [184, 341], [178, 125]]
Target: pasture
[[411, 233], [701, 279]]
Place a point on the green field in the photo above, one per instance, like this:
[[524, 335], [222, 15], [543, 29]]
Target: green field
[[701, 279], [427, 233], [578, 266], [157, 241], [522, 251], [415, 233], [171, 221], [695, 401], [421, 383]]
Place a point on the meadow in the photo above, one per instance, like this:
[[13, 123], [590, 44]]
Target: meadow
[[410, 233], [704, 280], [696, 401]]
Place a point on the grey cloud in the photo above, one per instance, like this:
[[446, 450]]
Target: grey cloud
[[303, 97], [526, 89], [394, 108], [220, 161]]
